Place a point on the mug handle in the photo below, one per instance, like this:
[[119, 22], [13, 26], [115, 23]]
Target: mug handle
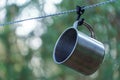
[[75, 25]]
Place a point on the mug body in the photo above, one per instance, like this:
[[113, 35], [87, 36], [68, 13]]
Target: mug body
[[78, 51]]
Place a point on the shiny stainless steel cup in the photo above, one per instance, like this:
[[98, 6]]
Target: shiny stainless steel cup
[[78, 51]]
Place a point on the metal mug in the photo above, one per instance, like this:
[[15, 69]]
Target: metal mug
[[78, 51]]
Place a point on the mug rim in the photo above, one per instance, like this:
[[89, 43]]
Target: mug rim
[[70, 54]]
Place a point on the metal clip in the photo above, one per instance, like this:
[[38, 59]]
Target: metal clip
[[79, 11], [80, 21]]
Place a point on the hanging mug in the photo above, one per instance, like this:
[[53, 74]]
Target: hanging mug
[[79, 51]]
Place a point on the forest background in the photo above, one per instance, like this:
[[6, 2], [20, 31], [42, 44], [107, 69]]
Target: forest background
[[26, 48]]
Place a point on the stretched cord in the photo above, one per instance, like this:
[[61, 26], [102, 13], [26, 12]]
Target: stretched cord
[[59, 13]]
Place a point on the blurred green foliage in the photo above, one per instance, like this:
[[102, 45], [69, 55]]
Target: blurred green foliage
[[17, 58]]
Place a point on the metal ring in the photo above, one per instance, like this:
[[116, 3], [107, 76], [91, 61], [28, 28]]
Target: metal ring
[[89, 28], [76, 23]]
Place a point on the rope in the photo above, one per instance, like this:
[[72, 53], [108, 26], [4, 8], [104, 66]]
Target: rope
[[99, 4], [59, 13]]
